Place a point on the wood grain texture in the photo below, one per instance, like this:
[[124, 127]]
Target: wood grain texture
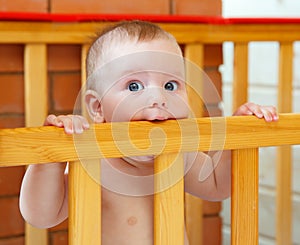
[[36, 86], [244, 197], [36, 109], [84, 206], [194, 54], [240, 75], [55, 32], [169, 200], [284, 154], [194, 65], [22, 146]]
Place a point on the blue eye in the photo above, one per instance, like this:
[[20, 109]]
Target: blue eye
[[135, 86], [171, 86]]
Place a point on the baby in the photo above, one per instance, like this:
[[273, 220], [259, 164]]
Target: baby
[[135, 72]]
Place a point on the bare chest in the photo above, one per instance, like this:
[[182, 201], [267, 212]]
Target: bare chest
[[126, 219]]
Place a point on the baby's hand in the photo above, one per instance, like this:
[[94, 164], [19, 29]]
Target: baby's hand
[[71, 123], [269, 113]]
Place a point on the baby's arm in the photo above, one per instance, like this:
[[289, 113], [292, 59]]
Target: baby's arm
[[44, 189], [209, 176]]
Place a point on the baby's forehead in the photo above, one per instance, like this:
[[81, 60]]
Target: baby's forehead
[[146, 61]]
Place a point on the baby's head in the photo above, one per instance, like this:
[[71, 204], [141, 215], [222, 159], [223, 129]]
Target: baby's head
[[122, 39], [131, 67]]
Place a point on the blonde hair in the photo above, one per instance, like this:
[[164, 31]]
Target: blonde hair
[[118, 36]]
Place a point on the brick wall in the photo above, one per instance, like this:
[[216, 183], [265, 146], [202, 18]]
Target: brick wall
[[64, 84]]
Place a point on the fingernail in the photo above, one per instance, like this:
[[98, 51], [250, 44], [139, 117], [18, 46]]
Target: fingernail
[[69, 130], [79, 131]]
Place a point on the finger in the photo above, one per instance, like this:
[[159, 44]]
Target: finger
[[243, 110], [67, 122], [267, 115], [272, 112], [52, 120], [78, 124], [255, 109], [84, 122]]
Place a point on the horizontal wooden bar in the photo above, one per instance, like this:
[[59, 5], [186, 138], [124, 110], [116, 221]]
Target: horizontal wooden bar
[[24, 146], [79, 33]]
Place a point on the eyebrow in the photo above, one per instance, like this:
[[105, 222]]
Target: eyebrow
[[178, 75]]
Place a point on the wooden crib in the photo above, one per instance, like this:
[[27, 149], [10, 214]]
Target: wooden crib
[[243, 135]]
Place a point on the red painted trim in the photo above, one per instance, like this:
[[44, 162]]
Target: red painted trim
[[46, 17], [104, 17]]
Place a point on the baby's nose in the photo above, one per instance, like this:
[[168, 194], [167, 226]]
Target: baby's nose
[[157, 98]]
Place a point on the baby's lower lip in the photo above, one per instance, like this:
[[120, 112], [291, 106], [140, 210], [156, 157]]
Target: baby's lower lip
[[159, 118]]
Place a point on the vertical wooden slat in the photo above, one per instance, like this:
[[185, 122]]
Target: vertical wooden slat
[[84, 51], [284, 154], [285, 85], [36, 97], [194, 219], [169, 200], [193, 205], [240, 75], [36, 108], [194, 53], [84, 191], [84, 205], [244, 199]]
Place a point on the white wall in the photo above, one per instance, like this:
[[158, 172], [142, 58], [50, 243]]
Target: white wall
[[263, 76], [261, 8]]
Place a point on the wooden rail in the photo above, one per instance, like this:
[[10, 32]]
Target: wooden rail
[[243, 135], [36, 35], [38, 145]]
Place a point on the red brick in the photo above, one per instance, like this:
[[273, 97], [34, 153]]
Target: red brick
[[197, 7], [210, 208], [213, 55], [212, 86], [11, 220], [111, 6], [10, 180], [24, 5], [12, 121], [212, 230], [11, 57], [11, 93], [65, 89], [13, 241], [59, 238], [61, 227], [64, 57], [212, 111]]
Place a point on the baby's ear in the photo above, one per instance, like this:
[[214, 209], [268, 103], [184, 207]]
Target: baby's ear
[[94, 107]]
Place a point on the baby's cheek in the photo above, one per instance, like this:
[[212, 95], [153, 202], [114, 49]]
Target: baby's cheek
[[126, 112], [181, 109]]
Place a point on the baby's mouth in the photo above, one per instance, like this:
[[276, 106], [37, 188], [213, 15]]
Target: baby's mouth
[[152, 115], [159, 118]]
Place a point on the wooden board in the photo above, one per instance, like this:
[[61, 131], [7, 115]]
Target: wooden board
[[40, 144]]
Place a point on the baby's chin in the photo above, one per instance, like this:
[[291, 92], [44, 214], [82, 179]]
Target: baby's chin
[[139, 159]]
